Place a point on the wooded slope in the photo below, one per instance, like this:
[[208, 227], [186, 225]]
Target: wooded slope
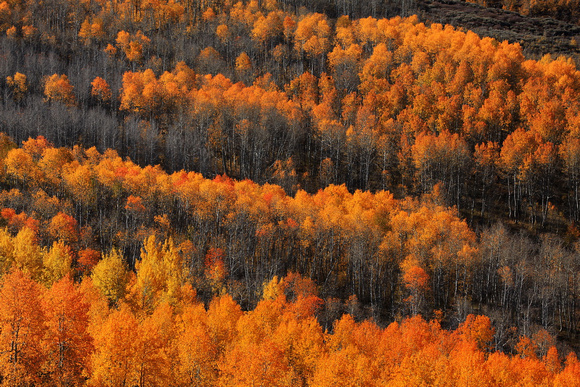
[[67, 335], [216, 145], [65, 209], [304, 101]]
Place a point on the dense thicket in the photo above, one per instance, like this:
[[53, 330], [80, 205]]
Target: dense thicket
[[302, 100], [354, 152], [370, 254], [67, 335]]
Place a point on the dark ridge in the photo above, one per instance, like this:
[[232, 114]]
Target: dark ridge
[[537, 35]]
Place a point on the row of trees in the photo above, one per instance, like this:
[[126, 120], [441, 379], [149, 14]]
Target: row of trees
[[70, 207], [69, 334], [371, 103]]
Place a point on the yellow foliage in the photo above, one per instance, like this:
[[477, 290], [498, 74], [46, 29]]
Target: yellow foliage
[[111, 277], [28, 254], [160, 275], [57, 263]]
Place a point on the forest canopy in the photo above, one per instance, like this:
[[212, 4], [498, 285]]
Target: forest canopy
[[302, 100], [142, 234], [183, 183]]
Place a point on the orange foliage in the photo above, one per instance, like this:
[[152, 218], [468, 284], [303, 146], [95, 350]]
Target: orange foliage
[[135, 204], [132, 45], [404, 99], [90, 31], [22, 329], [287, 346], [416, 278], [113, 358], [64, 227], [478, 330], [67, 342], [215, 269], [88, 259], [35, 147], [101, 90], [17, 222], [312, 35], [58, 88]]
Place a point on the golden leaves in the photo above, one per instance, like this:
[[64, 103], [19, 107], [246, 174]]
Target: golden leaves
[[19, 85], [101, 89], [58, 88]]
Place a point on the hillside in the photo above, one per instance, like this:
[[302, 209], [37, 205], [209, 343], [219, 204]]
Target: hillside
[[203, 175], [172, 279], [537, 35]]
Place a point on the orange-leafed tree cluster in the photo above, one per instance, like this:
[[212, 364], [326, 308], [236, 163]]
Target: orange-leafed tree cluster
[[259, 92], [79, 212], [173, 161], [71, 333]]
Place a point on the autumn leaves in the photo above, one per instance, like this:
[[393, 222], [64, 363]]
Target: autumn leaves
[[223, 235], [68, 334], [371, 103], [109, 250]]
